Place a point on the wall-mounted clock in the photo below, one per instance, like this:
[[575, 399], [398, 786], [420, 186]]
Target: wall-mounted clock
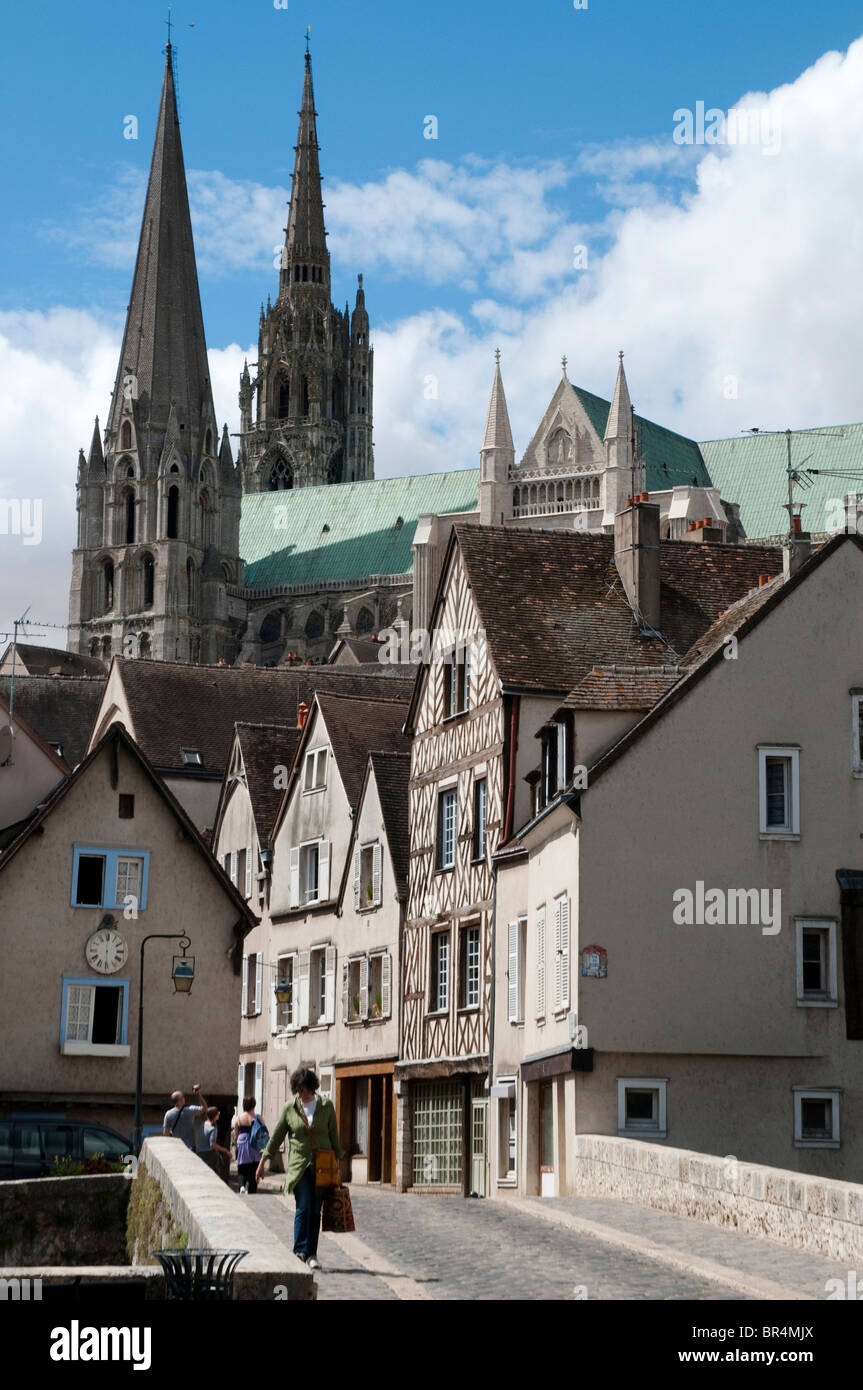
[[106, 951]]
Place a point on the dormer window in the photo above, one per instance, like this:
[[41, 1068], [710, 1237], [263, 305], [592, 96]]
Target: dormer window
[[315, 776], [192, 757], [557, 758]]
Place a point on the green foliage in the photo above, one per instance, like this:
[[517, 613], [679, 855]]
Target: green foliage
[[149, 1224]]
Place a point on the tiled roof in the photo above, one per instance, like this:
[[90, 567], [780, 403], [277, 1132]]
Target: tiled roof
[[173, 706], [671, 460], [283, 539], [750, 469], [53, 661], [733, 618], [392, 773], [553, 606], [61, 709], [358, 726], [265, 747], [622, 687]]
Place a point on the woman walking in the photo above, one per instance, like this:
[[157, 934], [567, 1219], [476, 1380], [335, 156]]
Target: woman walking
[[248, 1158], [309, 1121]]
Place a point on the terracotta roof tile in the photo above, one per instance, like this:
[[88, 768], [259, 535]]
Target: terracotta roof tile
[[356, 727], [392, 774]]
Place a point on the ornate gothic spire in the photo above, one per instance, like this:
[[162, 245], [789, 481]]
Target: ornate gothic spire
[[306, 259], [498, 434], [164, 356], [619, 425]]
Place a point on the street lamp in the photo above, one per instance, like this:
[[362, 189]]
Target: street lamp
[[183, 973]]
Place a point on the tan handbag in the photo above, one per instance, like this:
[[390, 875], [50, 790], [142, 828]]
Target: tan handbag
[[326, 1163]]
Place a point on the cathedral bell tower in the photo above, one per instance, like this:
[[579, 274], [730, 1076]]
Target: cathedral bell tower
[[158, 499], [306, 418]]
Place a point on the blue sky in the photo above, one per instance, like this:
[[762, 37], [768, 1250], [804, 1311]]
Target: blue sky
[[729, 274]]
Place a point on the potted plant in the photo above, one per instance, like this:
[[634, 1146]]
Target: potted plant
[[376, 1007], [369, 897], [355, 1006]]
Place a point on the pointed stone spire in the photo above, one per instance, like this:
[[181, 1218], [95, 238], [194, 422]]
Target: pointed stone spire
[[619, 424], [498, 434], [164, 354], [95, 458], [226, 458], [306, 259]]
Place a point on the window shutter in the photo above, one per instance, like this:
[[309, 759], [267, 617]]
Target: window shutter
[[345, 1010], [234, 867], [303, 989], [564, 953], [364, 987], [466, 700], [259, 982], [241, 1080], [323, 870], [259, 1086], [376, 873], [557, 975], [512, 1003], [250, 852], [245, 1006], [386, 984], [274, 1004], [357, 858], [330, 984], [295, 876], [540, 963], [561, 756]]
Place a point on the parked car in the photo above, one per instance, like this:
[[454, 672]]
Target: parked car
[[28, 1147]]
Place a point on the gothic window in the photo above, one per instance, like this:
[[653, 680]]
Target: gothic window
[[296, 272], [144, 644], [95, 646], [130, 472], [208, 442], [108, 576], [129, 502], [365, 620], [174, 468], [305, 272], [206, 520], [271, 628], [281, 476], [148, 569], [336, 468], [314, 626], [106, 649], [284, 405], [126, 435], [190, 586], [173, 512], [226, 574], [559, 447]]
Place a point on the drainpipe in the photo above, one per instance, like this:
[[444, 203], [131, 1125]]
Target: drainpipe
[[493, 978]]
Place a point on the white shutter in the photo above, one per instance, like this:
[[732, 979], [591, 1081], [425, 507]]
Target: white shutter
[[259, 983], [345, 1000], [330, 985], [512, 1003], [364, 987], [386, 984], [564, 953], [274, 1003], [245, 1007], [241, 1079], [540, 962], [561, 756], [357, 857], [234, 857], [376, 873], [558, 978], [295, 876], [259, 1086], [323, 870], [303, 989], [250, 855]]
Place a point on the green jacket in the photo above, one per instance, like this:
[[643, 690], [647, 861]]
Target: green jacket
[[292, 1123]]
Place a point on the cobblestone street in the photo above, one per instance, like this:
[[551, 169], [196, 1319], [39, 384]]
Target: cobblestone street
[[411, 1247]]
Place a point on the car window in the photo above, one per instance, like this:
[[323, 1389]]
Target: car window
[[5, 1143], [99, 1141], [57, 1141], [28, 1141]]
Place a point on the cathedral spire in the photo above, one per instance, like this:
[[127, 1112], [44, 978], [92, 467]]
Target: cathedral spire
[[498, 434], [164, 356], [306, 259], [619, 424], [95, 458]]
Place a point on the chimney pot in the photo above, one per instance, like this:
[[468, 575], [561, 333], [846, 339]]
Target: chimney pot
[[302, 714]]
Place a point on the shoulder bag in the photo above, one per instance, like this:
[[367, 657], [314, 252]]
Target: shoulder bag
[[326, 1163]]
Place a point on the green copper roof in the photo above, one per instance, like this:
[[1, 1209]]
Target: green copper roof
[[751, 470], [347, 531], [670, 460]]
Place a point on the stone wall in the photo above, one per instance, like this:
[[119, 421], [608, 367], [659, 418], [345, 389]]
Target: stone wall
[[64, 1221], [806, 1213]]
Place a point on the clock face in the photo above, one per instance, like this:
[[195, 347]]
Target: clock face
[[106, 951]]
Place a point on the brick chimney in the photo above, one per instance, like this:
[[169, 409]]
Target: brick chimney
[[704, 532], [636, 555]]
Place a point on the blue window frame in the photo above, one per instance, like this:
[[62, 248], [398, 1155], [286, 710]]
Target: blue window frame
[[94, 1015], [105, 877]]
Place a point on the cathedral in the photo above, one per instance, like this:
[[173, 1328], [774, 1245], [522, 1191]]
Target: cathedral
[[187, 553]]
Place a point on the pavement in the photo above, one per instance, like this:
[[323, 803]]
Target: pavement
[[421, 1248]]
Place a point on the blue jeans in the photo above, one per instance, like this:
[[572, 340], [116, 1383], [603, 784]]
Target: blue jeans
[[307, 1221]]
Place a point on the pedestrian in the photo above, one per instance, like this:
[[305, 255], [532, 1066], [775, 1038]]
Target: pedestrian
[[248, 1158], [209, 1149], [309, 1120], [179, 1121]]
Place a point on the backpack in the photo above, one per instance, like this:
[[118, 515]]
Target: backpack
[[259, 1136]]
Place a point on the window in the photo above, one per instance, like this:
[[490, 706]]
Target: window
[[129, 505], [456, 677], [641, 1107], [149, 575], [284, 1015], [240, 880], [507, 1152], [322, 982], [469, 956], [355, 983], [315, 777], [126, 806], [380, 976], [479, 809], [98, 1141], [366, 987], [557, 759], [173, 512], [561, 953], [779, 792], [367, 876], [447, 806], [439, 999], [857, 732], [94, 1018], [108, 586], [516, 932], [192, 757], [253, 984], [109, 877], [816, 1118], [437, 1134], [816, 963], [310, 873]]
